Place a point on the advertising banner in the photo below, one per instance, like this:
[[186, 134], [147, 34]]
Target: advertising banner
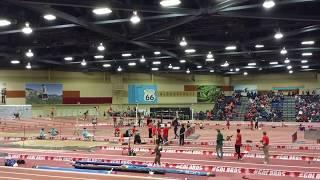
[[208, 93], [44, 93], [142, 94]]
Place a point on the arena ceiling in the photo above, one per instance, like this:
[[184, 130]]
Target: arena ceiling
[[240, 34]]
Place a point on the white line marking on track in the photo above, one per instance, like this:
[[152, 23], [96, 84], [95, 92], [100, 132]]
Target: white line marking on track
[[42, 175], [65, 172], [13, 178]]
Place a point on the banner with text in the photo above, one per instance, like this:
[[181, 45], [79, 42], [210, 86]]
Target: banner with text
[[142, 94]]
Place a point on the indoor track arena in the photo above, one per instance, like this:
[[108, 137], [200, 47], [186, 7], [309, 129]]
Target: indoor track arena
[[159, 89]]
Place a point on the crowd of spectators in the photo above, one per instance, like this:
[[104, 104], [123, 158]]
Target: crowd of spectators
[[266, 106], [308, 107]]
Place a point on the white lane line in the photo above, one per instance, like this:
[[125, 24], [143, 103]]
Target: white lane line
[[42, 175], [80, 173], [13, 178]]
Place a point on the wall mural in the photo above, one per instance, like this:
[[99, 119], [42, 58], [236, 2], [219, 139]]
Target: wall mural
[[208, 93], [37, 93]]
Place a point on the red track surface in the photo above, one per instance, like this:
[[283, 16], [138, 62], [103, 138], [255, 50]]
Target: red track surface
[[280, 136]]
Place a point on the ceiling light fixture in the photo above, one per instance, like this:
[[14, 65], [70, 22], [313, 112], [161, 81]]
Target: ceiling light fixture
[[199, 67], [142, 59], [230, 48], [286, 61], [307, 54], [155, 69], [273, 63], [170, 3], [245, 73], [15, 62], [4, 22], [182, 61], [304, 61], [290, 72], [189, 51], [102, 11], [283, 51], [98, 56], [83, 62], [50, 17], [188, 71], [170, 66], [231, 70], [268, 4], [68, 58], [106, 65], [307, 43], [289, 67], [210, 59], [304, 67], [176, 68], [252, 64], [226, 64], [132, 64], [29, 53], [278, 35], [259, 46], [211, 70], [156, 62], [101, 47], [157, 53], [183, 42], [237, 69], [28, 66], [119, 69], [126, 55], [135, 19], [27, 29]]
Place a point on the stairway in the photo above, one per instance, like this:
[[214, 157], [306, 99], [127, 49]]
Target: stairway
[[289, 108], [241, 110]]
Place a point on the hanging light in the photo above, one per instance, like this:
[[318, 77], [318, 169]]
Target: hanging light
[[132, 64], [182, 61], [268, 4], [283, 51], [4, 22], [245, 73], [290, 72], [101, 47], [226, 64], [68, 58], [211, 70], [188, 71], [135, 19], [183, 42], [278, 35], [170, 3], [49, 17], [15, 62], [154, 69], [83, 62], [27, 29], [106, 65], [142, 59], [289, 67], [287, 61], [259, 46], [102, 11], [170, 66], [210, 57], [157, 53], [29, 53], [199, 66], [119, 69], [28, 66], [189, 51], [237, 69]]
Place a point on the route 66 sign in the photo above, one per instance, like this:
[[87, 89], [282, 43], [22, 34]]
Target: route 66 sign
[[149, 95]]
